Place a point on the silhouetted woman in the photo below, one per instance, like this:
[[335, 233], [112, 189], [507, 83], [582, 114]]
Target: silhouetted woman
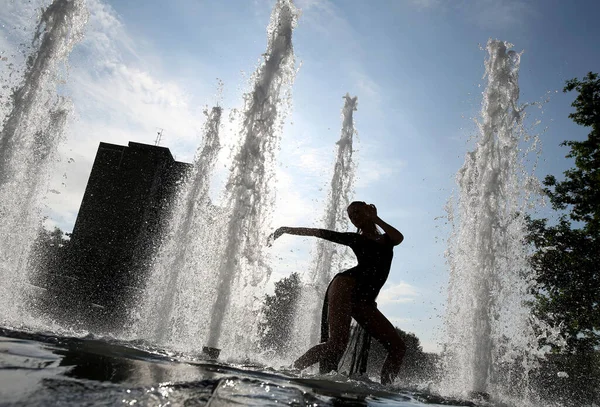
[[352, 293]]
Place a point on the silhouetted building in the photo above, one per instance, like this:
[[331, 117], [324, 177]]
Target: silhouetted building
[[118, 227]]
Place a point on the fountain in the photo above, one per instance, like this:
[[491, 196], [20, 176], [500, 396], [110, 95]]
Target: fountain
[[328, 259], [229, 241], [491, 345], [249, 197], [177, 263], [212, 253], [29, 137]]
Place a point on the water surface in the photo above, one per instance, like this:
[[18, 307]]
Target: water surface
[[46, 369]]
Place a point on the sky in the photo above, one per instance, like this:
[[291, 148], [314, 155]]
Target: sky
[[416, 67]]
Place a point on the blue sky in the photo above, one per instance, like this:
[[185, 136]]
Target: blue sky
[[415, 65]]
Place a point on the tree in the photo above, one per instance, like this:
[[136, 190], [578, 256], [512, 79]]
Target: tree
[[567, 255], [377, 353], [581, 188], [49, 250], [417, 365], [278, 311]]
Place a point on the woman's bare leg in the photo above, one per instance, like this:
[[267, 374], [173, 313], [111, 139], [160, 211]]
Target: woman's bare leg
[[380, 328], [339, 315]]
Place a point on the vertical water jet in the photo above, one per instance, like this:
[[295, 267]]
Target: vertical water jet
[[172, 289], [29, 138], [215, 251], [328, 257], [488, 325], [249, 193]]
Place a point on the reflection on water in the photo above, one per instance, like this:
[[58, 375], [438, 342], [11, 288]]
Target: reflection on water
[[41, 369]]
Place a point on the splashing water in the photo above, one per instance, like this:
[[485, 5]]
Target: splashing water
[[250, 201], [184, 252], [491, 344], [220, 251], [29, 137], [328, 259]]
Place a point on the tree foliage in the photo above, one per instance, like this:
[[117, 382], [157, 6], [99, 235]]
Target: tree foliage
[[278, 311], [418, 366], [377, 353], [567, 255], [275, 331], [580, 190], [49, 251]]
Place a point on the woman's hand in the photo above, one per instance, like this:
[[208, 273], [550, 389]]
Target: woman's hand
[[395, 236], [280, 231], [275, 235], [371, 212]]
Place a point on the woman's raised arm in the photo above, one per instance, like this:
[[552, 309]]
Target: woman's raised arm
[[335, 237], [394, 234]]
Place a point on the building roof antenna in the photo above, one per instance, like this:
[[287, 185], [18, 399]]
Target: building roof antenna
[[159, 134]]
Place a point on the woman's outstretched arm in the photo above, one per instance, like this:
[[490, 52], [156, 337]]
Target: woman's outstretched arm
[[336, 237]]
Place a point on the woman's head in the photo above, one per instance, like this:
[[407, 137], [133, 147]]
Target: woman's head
[[360, 214]]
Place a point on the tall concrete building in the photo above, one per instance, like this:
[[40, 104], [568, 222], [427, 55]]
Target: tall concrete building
[[118, 227]]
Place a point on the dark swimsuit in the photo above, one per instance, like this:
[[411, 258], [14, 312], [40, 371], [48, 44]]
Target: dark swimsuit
[[374, 262]]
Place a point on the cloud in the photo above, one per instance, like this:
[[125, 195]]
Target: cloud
[[487, 14], [398, 293], [107, 35], [368, 90], [496, 14], [372, 169], [309, 4], [131, 98], [431, 346], [326, 18], [119, 95], [293, 206], [371, 172], [304, 176], [316, 161], [112, 83]]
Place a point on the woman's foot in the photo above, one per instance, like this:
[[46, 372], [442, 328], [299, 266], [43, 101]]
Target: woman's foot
[[290, 370], [391, 367]]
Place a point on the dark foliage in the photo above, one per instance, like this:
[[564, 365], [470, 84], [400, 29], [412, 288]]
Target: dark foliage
[[567, 255], [418, 366], [57, 288], [49, 251], [569, 380], [278, 310]]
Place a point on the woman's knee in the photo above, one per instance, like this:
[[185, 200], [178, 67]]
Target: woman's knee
[[396, 347]]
